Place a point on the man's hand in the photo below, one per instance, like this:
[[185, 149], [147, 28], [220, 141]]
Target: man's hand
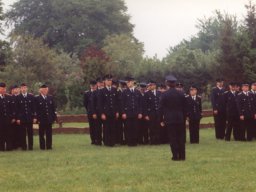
[[94, 116], [103, 117], [147, 118], [124, 116], [117, 115], [13, 121], [18, 122], [162, 124], [215, 112], [241, 117], [140, 116]]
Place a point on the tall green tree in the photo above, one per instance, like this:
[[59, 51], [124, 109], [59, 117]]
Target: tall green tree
[[35, 63], [5, 50], [125, 54], [71, 25]]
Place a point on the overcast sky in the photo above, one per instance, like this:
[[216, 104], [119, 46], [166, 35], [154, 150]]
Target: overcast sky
[[160, 24]]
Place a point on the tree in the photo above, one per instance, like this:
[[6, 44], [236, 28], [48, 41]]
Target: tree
[[125, 54], [71, 25], [93, 63], [35, 63]]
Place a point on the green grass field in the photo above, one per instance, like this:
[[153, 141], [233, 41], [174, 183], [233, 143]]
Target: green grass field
[[75, 165]]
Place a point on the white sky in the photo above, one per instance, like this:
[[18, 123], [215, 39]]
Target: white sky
[[160, 24]]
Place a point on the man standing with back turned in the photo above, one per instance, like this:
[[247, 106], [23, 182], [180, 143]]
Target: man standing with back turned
[[172, 110]]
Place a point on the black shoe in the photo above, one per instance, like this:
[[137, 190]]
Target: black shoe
[[175, 158], [98, 143]]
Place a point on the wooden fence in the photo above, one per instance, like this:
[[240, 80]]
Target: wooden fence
[[62, 119]]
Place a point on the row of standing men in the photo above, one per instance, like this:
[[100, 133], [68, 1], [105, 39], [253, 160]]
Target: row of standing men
[[19, 110], [234, 110], [121, 113]]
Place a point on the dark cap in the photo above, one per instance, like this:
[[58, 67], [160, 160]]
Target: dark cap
[[152, 82], [115, 82], [245, 84], [99, 80], [93, 82], [192, 87], [43, 86], [162, 86], [129, 78], [179, 84], [219, 80], [23, 85], [143, 85], [171, 78], [14, 87], [254, 83], [122, 82], [232, 84], [2, 85], [108, 76]]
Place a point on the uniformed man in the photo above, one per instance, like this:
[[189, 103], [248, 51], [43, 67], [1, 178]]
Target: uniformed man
[[152, 98], [92, 118], [247, 112], [131, 111], [46, 115], [219, 112], [26, 116], [120, 122], [96, 112], [194, 114], [7, 118], [16, 138], [232, 114], [172, 110], [143, 137], [108, 104], [253, 91], [164, 139]]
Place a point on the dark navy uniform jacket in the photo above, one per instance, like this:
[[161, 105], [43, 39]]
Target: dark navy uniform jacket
[[108, 102], [246, 105], [172, 106], [231, 104], [217, 99], [26, 108], [193, 107], [45, 109], [7, 108], [131, 103], [152, 103], [88, 102]]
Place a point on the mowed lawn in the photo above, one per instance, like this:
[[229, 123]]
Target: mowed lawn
[[75, 165]]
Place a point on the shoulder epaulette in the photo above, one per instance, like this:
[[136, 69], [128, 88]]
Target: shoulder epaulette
[[240, 93], [226, 92], [199, 96], [30, 94], [187, 96]]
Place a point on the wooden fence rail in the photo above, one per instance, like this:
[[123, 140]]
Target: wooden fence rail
[[62, 119]]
